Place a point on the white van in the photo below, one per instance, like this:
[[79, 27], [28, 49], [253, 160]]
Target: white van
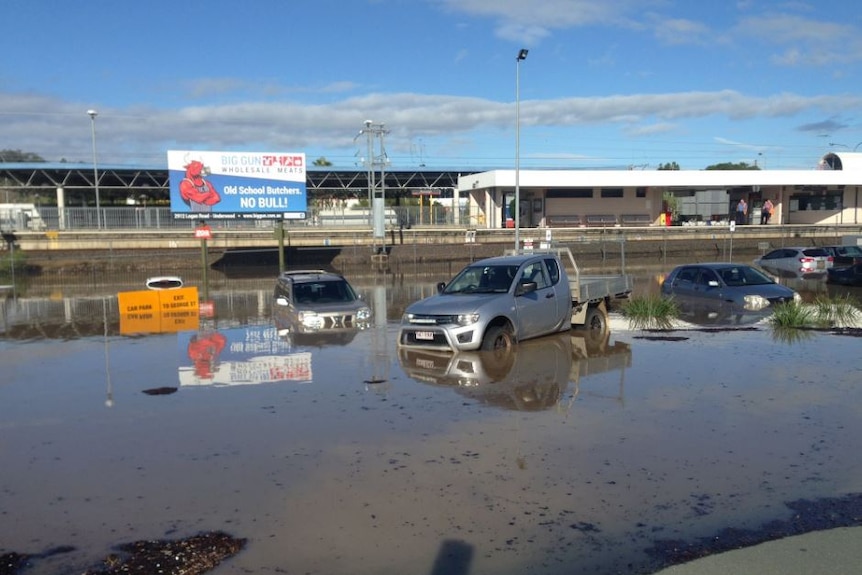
[[20, 217]]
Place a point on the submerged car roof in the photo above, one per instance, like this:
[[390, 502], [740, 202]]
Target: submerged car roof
[[310, 275], [715, 265]]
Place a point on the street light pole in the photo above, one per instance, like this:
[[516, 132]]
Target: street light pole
[[522, 55], [93, 114]]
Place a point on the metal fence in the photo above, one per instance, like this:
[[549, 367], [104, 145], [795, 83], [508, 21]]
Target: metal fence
[[144, 217]]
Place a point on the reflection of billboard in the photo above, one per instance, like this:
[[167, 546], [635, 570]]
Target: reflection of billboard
[[237, 185], [239, 356]]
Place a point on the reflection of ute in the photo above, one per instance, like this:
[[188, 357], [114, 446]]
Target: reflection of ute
[[594, 354], [530, 377]]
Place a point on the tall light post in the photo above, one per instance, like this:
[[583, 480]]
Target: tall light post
[[93, 114], [522, 55]]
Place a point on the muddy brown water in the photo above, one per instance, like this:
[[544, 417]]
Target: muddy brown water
[[341, 455]]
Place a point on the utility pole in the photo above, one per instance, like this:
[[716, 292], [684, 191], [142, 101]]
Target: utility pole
[[376, 194]]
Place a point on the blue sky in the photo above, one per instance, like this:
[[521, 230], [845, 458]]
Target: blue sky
[[606, 84]]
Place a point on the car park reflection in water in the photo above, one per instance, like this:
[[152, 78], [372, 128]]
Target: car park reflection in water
[[534, 375], [811, 283], [329, 475]]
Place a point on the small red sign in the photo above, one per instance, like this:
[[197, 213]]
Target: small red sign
[[203, 233], [207, 308]]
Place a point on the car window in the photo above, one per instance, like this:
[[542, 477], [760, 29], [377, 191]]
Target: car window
[[733, 276], [706, 276], [497, 278], [323, 292], [553, 270], [686, 275], [774, 254], [815, 252], [535, 272]]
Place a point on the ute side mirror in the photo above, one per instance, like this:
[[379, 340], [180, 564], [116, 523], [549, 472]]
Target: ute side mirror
[[441, 286], [525, 288], [712, 283]]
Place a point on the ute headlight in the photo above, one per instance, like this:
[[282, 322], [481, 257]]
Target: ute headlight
[[467, 318], [310, 319], [755, 302], [363, 314]]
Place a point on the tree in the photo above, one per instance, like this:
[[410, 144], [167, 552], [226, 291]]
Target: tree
[[321, 162], [733, 166], [10, 156], [669, 166]]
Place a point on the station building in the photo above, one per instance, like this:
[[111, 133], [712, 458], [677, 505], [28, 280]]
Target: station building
[[826, 195]]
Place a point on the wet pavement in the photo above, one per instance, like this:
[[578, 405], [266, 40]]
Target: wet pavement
[[619, 454]]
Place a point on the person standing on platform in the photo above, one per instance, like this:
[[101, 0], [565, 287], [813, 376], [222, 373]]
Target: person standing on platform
[[741, 211], [766, 212]]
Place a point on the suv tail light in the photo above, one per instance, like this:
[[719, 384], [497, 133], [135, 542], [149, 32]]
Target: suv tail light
[[806, 260]]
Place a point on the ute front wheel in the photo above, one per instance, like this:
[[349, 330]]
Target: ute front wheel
[[498, 338]]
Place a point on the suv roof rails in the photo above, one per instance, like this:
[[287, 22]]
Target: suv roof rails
[[305, 272]]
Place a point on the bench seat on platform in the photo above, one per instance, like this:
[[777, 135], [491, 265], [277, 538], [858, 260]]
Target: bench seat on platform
[[566, 221], [636, 220], [601, 220]]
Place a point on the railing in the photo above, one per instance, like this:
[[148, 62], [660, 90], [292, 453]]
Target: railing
[[160, 218]]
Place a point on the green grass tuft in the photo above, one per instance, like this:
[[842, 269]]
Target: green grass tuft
[[825, 312], [792, 315], [650, 312], [838, 311]]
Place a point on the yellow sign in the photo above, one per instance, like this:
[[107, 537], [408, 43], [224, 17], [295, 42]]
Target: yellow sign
[[159, 311]]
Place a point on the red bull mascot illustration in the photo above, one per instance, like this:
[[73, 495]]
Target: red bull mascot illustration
[[196, 191], [204, 350]]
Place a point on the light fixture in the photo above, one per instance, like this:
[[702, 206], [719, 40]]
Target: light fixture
[[522, 55], [93, 113]]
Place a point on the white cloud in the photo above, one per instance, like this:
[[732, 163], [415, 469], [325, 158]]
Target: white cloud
[[56, 129]]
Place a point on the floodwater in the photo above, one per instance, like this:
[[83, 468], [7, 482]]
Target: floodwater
[[340, 455]]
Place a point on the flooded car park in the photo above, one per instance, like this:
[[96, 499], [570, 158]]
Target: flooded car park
[[571, 455]]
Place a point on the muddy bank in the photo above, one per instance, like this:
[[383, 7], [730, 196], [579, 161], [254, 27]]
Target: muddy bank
[[194, 555]]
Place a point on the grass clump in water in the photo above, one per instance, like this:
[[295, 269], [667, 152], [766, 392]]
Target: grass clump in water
[[650, 312], [838, 311], [825, 312], [792, 314]]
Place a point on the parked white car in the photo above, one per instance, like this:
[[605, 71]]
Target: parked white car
[[796, 259]]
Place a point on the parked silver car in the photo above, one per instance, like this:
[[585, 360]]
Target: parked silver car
[[795, 259], [491, 304]]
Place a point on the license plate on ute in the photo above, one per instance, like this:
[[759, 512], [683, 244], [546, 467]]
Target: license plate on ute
[[425, 335]]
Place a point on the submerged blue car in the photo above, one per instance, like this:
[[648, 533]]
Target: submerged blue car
[[734, 287]]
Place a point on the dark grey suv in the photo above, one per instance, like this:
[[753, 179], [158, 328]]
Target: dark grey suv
[[314, 300]]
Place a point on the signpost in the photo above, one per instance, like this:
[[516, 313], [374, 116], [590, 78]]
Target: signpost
[[204, 233]]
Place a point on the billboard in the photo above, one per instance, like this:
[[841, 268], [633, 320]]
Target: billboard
[[237, 185]]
